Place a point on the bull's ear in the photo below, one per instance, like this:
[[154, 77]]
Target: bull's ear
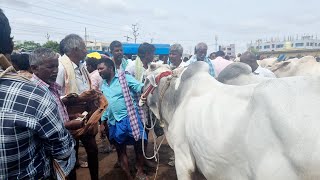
[[152, 80]]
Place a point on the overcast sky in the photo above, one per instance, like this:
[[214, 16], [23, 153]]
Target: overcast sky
[[165, 21]]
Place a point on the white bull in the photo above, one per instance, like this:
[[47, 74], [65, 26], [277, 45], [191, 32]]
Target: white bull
[[306, 66], [264, 131]]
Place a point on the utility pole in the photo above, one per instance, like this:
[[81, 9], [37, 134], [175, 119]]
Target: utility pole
[[135, 33], [151, 37], [85, 35], [190, 50], [127, 37], [216, 43], [48, 37]]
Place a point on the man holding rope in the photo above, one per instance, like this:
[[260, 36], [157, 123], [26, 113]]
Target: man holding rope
[[124, 120]]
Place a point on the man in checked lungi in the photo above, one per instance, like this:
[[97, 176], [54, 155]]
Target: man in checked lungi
[[123, 114]]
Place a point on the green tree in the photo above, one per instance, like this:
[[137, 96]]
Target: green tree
[[27, 45], [253, 50], [52, 45]]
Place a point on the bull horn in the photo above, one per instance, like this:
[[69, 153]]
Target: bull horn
[[152, 80]]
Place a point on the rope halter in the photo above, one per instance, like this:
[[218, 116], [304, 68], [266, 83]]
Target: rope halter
[[151, 87]]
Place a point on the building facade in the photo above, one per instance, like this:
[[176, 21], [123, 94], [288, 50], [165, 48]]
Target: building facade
[[304, 42], [229, 50], [290, 47], [97, 46]]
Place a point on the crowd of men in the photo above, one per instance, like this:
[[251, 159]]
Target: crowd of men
[[37, 125]]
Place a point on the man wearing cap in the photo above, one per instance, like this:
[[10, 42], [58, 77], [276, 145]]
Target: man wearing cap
[[92, 61]]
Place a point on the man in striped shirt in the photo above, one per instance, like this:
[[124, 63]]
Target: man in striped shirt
[[44, 64], [31, 131]]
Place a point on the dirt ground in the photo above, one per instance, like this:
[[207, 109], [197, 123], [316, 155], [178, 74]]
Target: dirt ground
[[107, 171]]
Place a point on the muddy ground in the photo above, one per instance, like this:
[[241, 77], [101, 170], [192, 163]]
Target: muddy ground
[[107, 162], [107, 171]]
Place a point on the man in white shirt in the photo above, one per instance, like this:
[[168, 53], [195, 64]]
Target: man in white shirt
[[138, 67], [118, 57], [250, 59], [74, 55], [73, 77], [175, 56]]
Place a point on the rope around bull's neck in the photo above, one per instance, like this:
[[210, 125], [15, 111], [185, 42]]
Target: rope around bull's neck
[[155, 147]]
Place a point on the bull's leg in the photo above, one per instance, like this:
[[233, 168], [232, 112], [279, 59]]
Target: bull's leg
[[184, 161]]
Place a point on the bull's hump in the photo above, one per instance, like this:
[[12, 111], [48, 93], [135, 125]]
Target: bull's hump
[[195, 68]]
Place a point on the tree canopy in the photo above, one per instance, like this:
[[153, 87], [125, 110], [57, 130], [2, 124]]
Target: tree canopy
[[54, 45], [29, 46]]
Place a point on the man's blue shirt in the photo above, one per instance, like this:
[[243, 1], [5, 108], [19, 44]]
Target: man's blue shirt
[[117, 109]]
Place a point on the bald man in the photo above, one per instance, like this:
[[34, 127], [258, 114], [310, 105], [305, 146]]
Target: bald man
[[251, 59]]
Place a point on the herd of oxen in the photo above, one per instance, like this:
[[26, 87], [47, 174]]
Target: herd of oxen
[[247, 127], [304, 66], [240, 74]]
